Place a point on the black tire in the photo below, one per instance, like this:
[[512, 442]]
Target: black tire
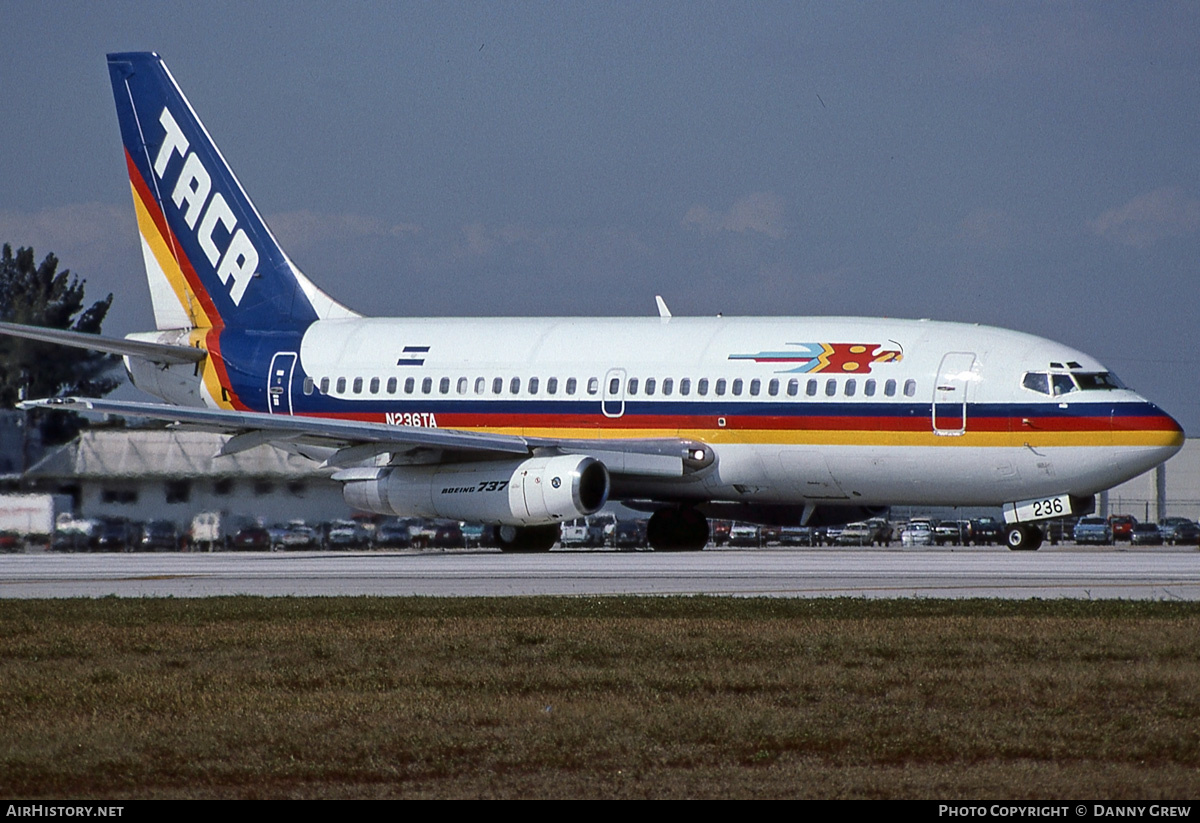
[[677, 530], [1023, 537], [527, 539]]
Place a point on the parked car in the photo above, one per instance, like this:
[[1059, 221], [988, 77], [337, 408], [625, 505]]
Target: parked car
[[986, 531], [115, 535], [345, 534], [251, 538], [581, 532], [1179, 531], [917, 533], [857, 534], [1146, 534], [159, 536], [796, 536], [743, 534], [630, 534], [394, 533], [1122, 526], [1094, 530], [954, 532]]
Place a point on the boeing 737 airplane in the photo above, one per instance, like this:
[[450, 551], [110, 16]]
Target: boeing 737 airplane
[[526, 422]]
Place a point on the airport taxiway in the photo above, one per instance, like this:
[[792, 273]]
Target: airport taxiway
[[1053, 572]]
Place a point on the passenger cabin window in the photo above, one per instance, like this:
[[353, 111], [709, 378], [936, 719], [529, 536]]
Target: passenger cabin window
[[427, 385], [463, 385], [851, 387], [889, 388], [514, 386], [668, 386], [910, 388], [552, 386], [341, 385], [308, 385], [869, 388], [391, 385], [811, 388], [633, 383], [755, 387], [737, 386], [721, 387], [374, 385], [614, 387], [830, 387], [793, 387], [324, 385], [651, 385], [480, 385], [593, 385], [444, 385], [702, 387], [571, 386], [685, 386], [358, 385], [533, 385], [497, 385], [773, 388], [410, 385]]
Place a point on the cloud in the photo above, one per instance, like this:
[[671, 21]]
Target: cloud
[[303, 228], [760, 211], [79, 229], [1148, 218], [988, 228]]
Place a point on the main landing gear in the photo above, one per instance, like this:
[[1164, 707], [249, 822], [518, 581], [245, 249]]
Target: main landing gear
[[527, 539], [677, 530], [1021, 537]]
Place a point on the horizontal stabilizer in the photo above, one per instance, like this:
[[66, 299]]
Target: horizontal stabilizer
[[154, 352]]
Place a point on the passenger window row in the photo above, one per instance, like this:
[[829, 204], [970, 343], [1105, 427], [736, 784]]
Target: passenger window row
[[651, 387]]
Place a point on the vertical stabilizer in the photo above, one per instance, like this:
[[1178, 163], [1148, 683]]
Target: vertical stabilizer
[[210, 258]]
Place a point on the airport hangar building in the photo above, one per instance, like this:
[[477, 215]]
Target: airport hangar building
[[163, 474]]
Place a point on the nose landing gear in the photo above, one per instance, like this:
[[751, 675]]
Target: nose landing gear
[[1023, 537]]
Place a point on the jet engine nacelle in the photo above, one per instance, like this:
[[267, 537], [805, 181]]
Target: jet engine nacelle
[[535, 491]]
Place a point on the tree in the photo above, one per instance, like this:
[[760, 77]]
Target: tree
[[40, 295]]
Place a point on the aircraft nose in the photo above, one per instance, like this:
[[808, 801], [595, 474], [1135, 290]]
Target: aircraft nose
[[1157, 433]]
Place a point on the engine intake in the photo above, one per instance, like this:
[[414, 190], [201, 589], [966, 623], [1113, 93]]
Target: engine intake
[[538, 490]]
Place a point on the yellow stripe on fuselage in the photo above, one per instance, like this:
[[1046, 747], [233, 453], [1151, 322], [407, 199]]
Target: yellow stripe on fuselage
[[784, 437]]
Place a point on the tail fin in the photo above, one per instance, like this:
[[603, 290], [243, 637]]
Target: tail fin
[[210, 258]]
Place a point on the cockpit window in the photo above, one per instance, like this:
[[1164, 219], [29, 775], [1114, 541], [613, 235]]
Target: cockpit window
[[1037, 381], [1098, 381], [1055, 384], [1061, 384]]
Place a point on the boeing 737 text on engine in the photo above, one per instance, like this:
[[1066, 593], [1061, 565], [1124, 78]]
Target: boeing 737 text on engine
[[524, 423]]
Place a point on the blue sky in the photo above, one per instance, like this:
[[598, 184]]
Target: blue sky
[[1028, 165]]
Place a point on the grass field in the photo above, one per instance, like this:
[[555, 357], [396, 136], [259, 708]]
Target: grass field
[[602, 697]]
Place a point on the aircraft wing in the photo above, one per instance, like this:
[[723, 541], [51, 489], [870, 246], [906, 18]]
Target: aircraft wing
[[154, 352], [344, 443]]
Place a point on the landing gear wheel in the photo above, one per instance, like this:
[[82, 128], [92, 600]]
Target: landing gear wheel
[[1022, 537], [526, 539], [677, 530]]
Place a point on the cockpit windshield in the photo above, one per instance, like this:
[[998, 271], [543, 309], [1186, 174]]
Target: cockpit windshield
[[1098, 380], [1056, 384]]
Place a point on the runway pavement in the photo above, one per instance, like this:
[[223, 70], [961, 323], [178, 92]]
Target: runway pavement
[[1053, 572]]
